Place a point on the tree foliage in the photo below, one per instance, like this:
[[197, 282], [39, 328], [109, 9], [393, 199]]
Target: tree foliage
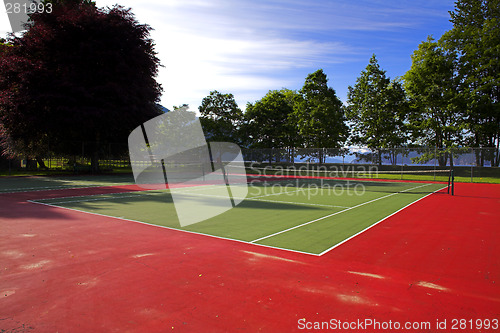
[[377, 109], [436, 117], [319, 114], [220, 117], [269, 121], [475, 39], [432, 85], [79, 73]]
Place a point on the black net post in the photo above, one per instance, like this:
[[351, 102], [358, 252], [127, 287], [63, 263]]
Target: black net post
[[449, 180], [452, 182]]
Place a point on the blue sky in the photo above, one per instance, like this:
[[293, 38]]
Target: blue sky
[[248, 47]]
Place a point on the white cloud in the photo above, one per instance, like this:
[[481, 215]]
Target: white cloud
[[231, 46], [247, 47]]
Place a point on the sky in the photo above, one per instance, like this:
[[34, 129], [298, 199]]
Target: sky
[[248, 47]]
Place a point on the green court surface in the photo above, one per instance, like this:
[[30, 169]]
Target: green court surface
[[308, 216]]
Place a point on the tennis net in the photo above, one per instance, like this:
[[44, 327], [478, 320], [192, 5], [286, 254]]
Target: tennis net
[[322, 176]]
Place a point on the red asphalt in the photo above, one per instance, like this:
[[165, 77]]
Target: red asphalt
[[67, 271]]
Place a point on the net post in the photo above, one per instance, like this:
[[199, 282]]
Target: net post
[[452, 182], [449, 180]]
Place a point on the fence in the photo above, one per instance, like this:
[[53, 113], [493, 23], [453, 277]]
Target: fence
[[115, 156], [469, 163], [484, 157], [78, 157]]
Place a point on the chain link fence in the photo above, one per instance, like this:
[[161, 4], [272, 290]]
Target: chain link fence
[[468, 163], [79, 157], [86, 157], [483, 157]]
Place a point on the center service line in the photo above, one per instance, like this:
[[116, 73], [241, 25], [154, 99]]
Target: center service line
[[327, 216]]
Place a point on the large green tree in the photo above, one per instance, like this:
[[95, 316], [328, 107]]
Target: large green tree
[[269, 121], [79, 73], [221, 117], [436, 116], [319, 115], [377, 108], [475, 39]]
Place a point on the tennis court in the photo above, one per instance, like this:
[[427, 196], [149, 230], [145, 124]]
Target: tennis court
[[75, 259], [298, 213]]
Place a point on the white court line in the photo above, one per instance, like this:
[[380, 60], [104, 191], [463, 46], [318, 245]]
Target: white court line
[[271, 194], [139, 193], [256, 198], [380, 221], [327, 216], [47, 188], [110, 197], [296, 203], [89, 195], [59, 187], [273, 201], [98, 199], [175, 229], [119, 195]]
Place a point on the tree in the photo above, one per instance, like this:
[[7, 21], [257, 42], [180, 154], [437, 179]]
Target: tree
[[431, 83], [319, 115], [269, 121], [377, 107], [79, 74], [6, 146], [475, 39], [220, 117]]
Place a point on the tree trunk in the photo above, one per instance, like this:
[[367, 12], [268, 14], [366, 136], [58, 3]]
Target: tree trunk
[[94, 162], [442, 158], [477, 153], [497, 154], [41, 163], [393, 156]]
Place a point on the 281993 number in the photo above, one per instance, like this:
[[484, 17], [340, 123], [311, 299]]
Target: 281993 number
[[471, 324], [17, 8]]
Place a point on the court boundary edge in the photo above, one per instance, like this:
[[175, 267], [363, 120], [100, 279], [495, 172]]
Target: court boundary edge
[[237, 240]]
